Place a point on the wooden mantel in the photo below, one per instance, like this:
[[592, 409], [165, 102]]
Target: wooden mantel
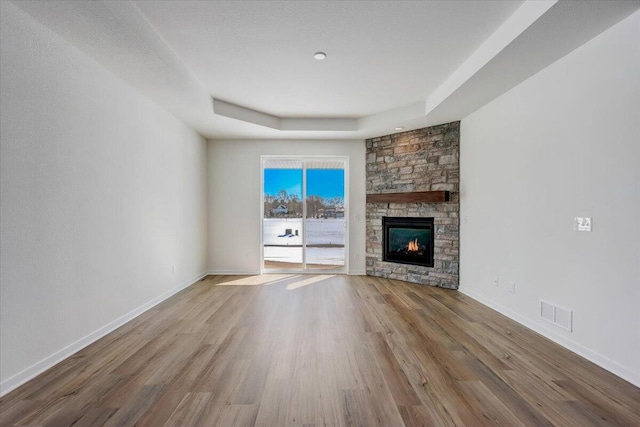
[[414, 197]]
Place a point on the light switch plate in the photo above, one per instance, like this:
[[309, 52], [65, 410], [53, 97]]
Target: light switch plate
[[581, 223]]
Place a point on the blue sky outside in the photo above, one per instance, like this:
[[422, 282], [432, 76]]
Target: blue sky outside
[[289, 180], [326, 183]]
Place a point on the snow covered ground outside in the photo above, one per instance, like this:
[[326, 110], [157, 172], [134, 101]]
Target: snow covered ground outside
[[324, 256], [319, 232]]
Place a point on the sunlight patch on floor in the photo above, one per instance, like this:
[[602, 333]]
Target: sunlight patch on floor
[[263, 279], [309, 280]]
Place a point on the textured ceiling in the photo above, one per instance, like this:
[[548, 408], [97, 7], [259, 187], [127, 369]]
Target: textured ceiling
[[381, 55], [245, 69]]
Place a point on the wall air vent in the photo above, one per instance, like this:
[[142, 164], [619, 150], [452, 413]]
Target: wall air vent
[[563, 318], [557, 315], [547, 311]]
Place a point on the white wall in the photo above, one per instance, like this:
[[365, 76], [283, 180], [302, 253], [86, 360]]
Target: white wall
[[102, 192], [234, 199], [564, 143]]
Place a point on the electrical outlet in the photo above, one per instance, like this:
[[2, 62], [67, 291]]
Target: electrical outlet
[[357, 257], [173, 269], [512, 287], [582, 223]]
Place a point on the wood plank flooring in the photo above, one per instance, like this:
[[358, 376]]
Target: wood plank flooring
[[292, 350]]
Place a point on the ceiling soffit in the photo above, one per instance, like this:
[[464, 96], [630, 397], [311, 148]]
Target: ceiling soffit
[[119, 36]]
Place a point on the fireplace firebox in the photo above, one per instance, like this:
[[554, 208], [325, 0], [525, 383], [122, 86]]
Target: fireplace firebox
[[408, 240]]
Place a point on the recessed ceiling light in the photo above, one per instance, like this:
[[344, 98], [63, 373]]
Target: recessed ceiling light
[[319, 55], [399, 127]]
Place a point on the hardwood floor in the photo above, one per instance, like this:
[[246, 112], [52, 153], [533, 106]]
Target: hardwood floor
[[281, 350]]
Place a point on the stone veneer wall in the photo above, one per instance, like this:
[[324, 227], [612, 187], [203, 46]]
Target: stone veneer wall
[[419, 160]]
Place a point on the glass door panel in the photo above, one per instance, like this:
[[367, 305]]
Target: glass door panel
[[282, 228], [325, 223]]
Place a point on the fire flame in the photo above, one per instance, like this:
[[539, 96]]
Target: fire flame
[[413, 246]]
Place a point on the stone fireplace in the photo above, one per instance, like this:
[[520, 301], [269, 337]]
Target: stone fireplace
[[414, 174]]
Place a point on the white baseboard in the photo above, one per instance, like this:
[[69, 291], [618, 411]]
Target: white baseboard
[[36, 369], [357, 273], [234, 272], [600, 360]]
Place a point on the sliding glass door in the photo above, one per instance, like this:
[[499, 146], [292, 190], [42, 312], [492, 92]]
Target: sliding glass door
[[325, 220], [282, 225], [304, 218]]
